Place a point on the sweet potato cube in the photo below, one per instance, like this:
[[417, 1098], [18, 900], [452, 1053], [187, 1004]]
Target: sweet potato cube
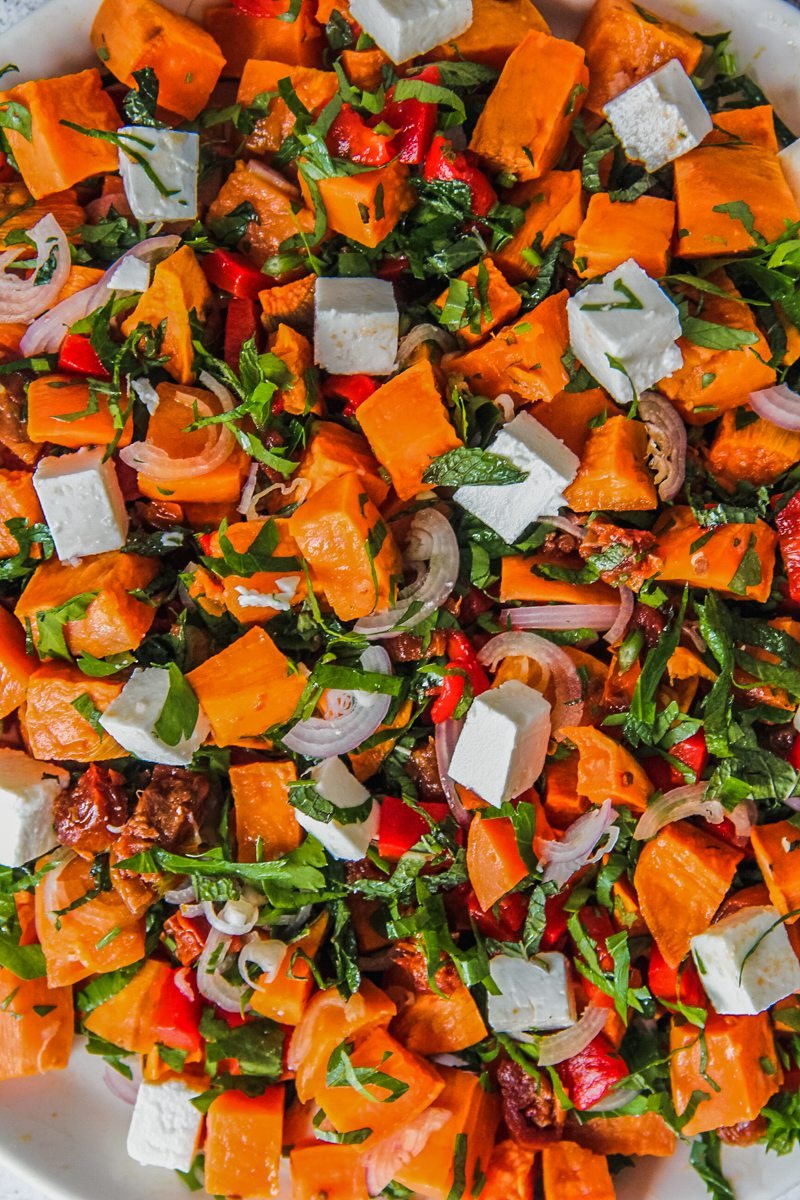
[[718, 562], [493, 301], [178, 288], [498, 27], [53, 404], [56, 157], [285, 998], [352, 554], [241, 37], [494, 862], [624, 42], [520, 580], [522, 130], [313, 89], [777, 850], [51, 724], [33, 1042], [342, 1168], [645, 1134], [128, 1018], [738, 1054], [247, 596], [607, 769], [681, 879], [365, 207], [613, 233], [243, 1144], [18, 210], [570, 413], [571, 1173], [553, 206], [757, 452], [16, 665], [753, 125], [277, 219], [407, 426], [262, 810], [332, 451], [130, 35], [17, 499], [295, 352], [613, 475]]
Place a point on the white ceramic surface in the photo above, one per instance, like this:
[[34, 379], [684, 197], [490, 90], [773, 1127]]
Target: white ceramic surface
[[65, 1133]]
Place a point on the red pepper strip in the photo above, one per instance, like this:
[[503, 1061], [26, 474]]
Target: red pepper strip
[[794, 753], [354, 389], [597, 925], [504, 920], [414, 121], [7, 172], [589, 1076], [177, 1016], [401, 827], [675, 983], [234, 273], [351, 137], [463, 664], [692, 751], [787, 523], [78, 356], [444, 162], [241, 324], [555, 920], [262, 8]]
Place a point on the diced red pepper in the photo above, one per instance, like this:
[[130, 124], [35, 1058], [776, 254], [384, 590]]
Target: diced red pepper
[[444, 162], [351, 137], [597, 924], [588, 1077], [555, 920], [78, 356], [7, 172], [794, 753], [504, 921], [401, 827], [675, 983], [261, 8], [787, 523], [234, 273], [178, 1012], [692, 751], [353, 389], [464, 665], [414, 121], [241, 324]]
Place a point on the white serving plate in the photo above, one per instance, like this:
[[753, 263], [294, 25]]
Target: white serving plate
[[64, 1132]]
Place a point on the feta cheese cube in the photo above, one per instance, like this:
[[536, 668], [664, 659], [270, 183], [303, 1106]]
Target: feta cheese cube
[[131, 274], [82, 503], [790, 161], [624, 330], [405, 28], [660, 118], [336, 785], [166, 155], [533, 995], [501, 749], [28, 791], [132, 717], [165, 1126], [746, 961], [510, 508], [356, 326]]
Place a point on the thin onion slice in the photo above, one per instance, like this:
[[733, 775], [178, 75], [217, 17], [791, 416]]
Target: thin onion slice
[[620, 627], [667, 443], [211, 983], [265, 953], [565, 524], [689, 801], [585, 841], [616, 1098], [185, 894], [236, 918], [778, 404], [23, 299], [353, 716], [445, 737], [272, 176], [561, 616], [156, 464], [568, 707], [431, 541], [556, 1048], [421, 334], [388, 1156], [120, 1086]]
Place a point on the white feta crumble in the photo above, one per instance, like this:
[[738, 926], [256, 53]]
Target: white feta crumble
[[161, 180], [790, 162], [132, 717], [660, 118], [28, 791], [405, 28], [746, 961], [280, 599], [534, 995], [501, 749], [131, 274], [356, 326], [625, 330], [341, 789], [165, 1126], [510, 508], [82, 503]]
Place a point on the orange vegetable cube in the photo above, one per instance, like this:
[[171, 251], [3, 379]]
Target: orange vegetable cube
[[645, 1134], [246, 688], [243, 1144], [681, 879], [569, 413], [341, 1167], [753, 125], [498, 27], [277, 219], [407, 427], [19, 210], [364, 68], [522, 131], [612, 233], [114, 620], [56, 157], [128, 1018], [553, 205], [510, 1173], [52, 726], [131, 34], [262, 809], [241, 37], [494, 862], [607, 769], [177, 289], [54, 401], [238, 589], [352, 554], [499, 304], [17, 499], [285, 998], [313, 89], [737, 560], [16, 665], [571, 1173], [756, 451], [613, 474], [332, 451], [365, 207], [440, 1019], [519, 580], [777, 851], [30, 1043], [295, 352]]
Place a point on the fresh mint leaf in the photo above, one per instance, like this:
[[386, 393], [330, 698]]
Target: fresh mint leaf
[[139, 105], [257, 1046], [705, 1159], [51, 634], [257, 558], [712, 336], [470, 465], [305, 796], [85, 707], [181, 709]]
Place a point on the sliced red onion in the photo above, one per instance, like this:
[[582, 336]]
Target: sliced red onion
[[352, 716], [182, 981], [275, 178], [249, 489], [565, 524], [265, 953], [291, 922], [585, 841], [144, 391], [23, 299], [558, 1047], [676, 805], [620, 627], [387, 1157], [445, 737], [667, 443], [431, 541], [158, 465], [506, 405], [616, 1098], [695, 637], [46, 335], [421, 334], [743, 818], [236, 918], [568, 708], [778, 404], [210, 981], [120, 1086], [561, 616], [181, 895]]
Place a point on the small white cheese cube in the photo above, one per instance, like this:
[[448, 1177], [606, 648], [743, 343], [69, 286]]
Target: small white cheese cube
[[624, 330], [131, 720], [341, 789], [790, 161], [172, 158], [533, 995], [356, 326], [501, 749], [82, 503], [131, 274], [165, 1126], [28, 791], [405, 28], [510, 508], [660, 118], [746, 961]]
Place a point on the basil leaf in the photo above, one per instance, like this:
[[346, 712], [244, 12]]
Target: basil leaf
[[181, 709], [305, 796], [104, 987], [471, 465], [51, 636], [257, 1046], [140, 103], [26, 962], [711, 336]]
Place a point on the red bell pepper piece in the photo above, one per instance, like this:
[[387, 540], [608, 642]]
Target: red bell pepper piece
[[241, 324], [794, 753], [353, 389], [675, 983], [414, 121], [589, 1076], [444, 162], [7, 172], [463, 664], [787, 523], [351, 137], [177, 1016], [597, 924], [262, 8], [555, 920], [692, 751], [78, 356], [401, 827], [504, 921], [234, 273]]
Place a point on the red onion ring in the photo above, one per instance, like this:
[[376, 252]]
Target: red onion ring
[[445, 737], [236, 918], [421, 334], [689, 801], [620, 627], [353, 716], [667, 444], [23, 299], [210, 981], [122, 1088], [568, 707], [556, 1048], [778, 404], [565, 524], [274, 177], [156, 464], [266, 953], [561, 616], [616, 1098], [585, 841], [388, 1156]]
